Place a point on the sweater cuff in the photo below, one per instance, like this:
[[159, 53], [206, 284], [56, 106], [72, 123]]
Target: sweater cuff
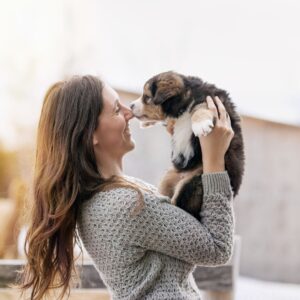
[[216, 182]]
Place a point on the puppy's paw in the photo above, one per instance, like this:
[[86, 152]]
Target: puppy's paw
[[203, 127]]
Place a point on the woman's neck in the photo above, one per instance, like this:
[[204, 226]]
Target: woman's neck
[[109, 167]]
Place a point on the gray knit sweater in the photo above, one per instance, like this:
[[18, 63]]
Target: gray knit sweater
[[152, 255]]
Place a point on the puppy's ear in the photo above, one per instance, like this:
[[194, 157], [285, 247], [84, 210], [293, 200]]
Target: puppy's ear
[[167, 86], [160, 98], [165, 94], [158, 95]]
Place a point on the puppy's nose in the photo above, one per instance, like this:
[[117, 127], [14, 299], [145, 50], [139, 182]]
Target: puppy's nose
[[131, 106]]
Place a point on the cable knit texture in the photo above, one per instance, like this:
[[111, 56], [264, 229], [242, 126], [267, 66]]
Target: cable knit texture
[[152, 255]]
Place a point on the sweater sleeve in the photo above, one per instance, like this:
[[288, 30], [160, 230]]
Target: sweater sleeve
[[168, 229]]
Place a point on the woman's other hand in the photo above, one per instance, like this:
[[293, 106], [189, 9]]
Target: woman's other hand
[[216, 143]]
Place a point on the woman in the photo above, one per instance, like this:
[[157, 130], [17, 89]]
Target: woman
[[142, 246]]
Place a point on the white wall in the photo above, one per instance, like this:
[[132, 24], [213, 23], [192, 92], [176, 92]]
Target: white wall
[[268, 206], [249, 48]]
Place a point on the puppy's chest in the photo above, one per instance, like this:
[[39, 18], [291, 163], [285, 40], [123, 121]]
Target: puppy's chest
[[181, 139]]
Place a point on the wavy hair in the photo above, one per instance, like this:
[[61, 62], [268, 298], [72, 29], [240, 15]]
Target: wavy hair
[[65, 174]]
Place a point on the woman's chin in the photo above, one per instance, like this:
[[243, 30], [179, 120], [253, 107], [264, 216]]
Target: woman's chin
[[130, 143]]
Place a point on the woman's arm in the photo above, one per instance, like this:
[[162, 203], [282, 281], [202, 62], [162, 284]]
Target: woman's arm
[[168, 229], [215, 144]]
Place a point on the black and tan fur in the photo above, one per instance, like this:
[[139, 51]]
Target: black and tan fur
[[181, 100]]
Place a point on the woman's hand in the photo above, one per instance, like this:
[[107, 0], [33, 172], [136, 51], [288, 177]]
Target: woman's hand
[[215, 144]]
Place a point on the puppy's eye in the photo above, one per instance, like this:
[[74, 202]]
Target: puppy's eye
[[147, 99]]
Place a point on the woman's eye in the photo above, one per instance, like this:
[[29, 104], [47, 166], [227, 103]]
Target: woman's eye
[[118, 110]]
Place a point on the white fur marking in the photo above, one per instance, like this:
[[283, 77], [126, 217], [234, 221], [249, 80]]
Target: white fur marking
[[181, 138], [203, 127], [138, 107]]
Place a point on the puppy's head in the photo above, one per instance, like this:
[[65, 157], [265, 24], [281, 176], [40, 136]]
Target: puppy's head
[[164, 95]]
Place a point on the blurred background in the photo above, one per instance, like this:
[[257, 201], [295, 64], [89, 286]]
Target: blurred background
[[251, 49]]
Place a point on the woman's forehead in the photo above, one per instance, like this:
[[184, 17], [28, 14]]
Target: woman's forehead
[[109, 95]]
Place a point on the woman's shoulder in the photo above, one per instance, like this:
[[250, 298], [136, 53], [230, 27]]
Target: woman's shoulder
[[141, 183], [124, 193], [113, 194], [103, 204]]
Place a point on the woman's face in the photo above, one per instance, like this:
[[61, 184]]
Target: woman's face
[[112, 135]]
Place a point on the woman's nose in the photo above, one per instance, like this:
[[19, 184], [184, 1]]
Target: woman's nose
[[128, 113]]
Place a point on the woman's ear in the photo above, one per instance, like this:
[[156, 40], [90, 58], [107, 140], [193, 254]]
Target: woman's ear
[[95, 140]]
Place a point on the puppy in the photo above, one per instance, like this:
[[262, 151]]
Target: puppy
[[179, 101]]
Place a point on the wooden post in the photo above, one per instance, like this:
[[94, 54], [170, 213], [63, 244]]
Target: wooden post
[[218, 283]]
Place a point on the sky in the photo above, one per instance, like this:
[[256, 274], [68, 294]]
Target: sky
[[249, 48]]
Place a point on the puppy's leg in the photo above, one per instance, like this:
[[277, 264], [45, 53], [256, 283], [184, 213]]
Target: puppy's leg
[[168, 183], [170, 125], [190, 196], [184, 179], [202, 120]]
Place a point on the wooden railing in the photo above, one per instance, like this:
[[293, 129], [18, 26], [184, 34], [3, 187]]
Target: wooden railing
[[216, 283]]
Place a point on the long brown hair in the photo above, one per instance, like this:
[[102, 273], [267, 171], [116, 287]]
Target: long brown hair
[[65, 174]]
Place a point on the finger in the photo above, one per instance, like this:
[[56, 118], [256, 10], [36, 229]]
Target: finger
[[221, 109], [211, 106], [228, 119]]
